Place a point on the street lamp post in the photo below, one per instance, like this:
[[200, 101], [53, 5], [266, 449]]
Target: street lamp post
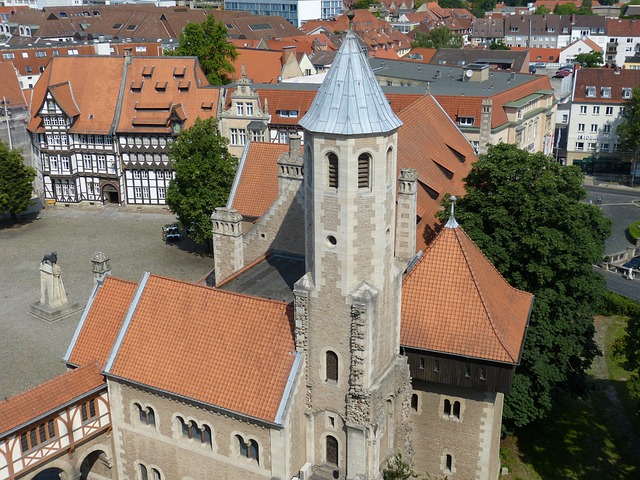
[[5, 108]]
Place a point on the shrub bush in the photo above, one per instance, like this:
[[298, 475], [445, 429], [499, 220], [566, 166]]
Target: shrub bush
[[634, 230], [615, 304]]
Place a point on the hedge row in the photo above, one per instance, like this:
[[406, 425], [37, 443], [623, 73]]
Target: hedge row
[[615, 304], [634, 230]]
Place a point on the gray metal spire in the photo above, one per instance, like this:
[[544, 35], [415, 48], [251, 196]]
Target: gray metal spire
[[451, 223], [350, 101]]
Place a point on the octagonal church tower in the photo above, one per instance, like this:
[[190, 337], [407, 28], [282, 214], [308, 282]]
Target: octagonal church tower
[[348, 303]]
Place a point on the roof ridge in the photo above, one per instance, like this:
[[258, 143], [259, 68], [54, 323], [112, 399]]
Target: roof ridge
[[53, 379], [479, 290], [243, 295]]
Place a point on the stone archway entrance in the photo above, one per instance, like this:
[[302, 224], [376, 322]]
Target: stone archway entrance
[[51, 474], [95, 465], [110, 194]]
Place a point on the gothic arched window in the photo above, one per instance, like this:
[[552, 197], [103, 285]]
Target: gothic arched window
[[364, 171], [332, 366]]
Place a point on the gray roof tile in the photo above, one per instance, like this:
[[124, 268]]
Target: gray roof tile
[[350, 101]]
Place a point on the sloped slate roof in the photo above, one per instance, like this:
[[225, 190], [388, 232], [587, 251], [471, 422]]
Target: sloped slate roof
[[350, 101], [454, 301]]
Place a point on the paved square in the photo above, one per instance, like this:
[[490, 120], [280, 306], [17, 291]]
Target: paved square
[[31, 350]]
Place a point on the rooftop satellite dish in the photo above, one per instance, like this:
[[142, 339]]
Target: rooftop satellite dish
[[469, 73]]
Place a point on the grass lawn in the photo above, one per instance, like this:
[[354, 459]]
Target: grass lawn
[[579, 439]]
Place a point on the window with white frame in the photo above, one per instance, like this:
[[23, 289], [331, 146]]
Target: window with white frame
[[102, 162], [596, 110], [591, 146], [249, 106], [565, 118], [86, 159], [616, 147], [581, 127], [144, 174], [579, 146], [239, 108], [465, 121], [162, 192], [137, 192], [627, 93], [145, 192], [606, 128], [583, 109], [136, 174], [608, 111], [65, 163], [594, 128], [53, 162], [604, 147], [605, 92], [591, 91]]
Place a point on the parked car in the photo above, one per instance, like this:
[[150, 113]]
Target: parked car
[[532, 69], [171, 232], [567, 67], [562, 74]]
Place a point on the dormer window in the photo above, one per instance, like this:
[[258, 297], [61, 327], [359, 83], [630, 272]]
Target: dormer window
[[627, 93], [605, 92], [465, 121], [591, 91]]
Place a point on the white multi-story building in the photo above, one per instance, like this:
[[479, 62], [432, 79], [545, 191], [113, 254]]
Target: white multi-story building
[[598, 99], [295, 11]]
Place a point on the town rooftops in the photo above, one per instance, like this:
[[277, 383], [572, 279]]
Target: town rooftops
[[454, 301], [604, 85], [49, 397], [350, 101], [229, 351]]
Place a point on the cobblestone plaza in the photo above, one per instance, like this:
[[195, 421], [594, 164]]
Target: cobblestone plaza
[[31, 350]]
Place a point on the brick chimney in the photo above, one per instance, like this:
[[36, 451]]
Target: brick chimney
[[287, 52]]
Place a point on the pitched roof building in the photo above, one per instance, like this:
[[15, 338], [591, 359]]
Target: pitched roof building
[[304, 361]]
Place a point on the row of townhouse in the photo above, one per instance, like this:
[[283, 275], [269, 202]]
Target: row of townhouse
[[597, 102], [102, 132], [618, 38]]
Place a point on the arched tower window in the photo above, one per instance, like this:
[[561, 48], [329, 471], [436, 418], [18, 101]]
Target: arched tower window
[[332, 366], [332, 450], [414, 402], [332, 167], [142, 470], [364, 170], [390, 170]]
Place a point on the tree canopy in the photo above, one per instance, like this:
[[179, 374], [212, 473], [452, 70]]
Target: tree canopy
[[525, 212], [204, 171], [629, 128], [542, 10], [498, 45], [565, 9], [208, 41], [590, 60], [16, 182], [440, 37]]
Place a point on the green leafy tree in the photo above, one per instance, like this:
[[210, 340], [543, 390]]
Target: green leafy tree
[[498, 45], [398, 469], [204, 171], [208, 41], [542, 10], [629, 128], [628, 348], [565, 9], [585, 8], [525, 212], [16, 182], [440, 37], [590, 59]]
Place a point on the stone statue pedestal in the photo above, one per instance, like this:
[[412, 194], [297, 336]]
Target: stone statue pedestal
[[53, 304]]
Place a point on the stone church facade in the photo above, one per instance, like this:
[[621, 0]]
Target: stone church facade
[[322, 351]]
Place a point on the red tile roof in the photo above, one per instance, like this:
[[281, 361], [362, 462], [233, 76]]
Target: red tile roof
[[94, 88], [262, 66], [97, 332], [48, 397], [216, 347], [185, 92], [442, 159], [544, 55], [10, 86], [454, 301], [254, 194], [604, 77]]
